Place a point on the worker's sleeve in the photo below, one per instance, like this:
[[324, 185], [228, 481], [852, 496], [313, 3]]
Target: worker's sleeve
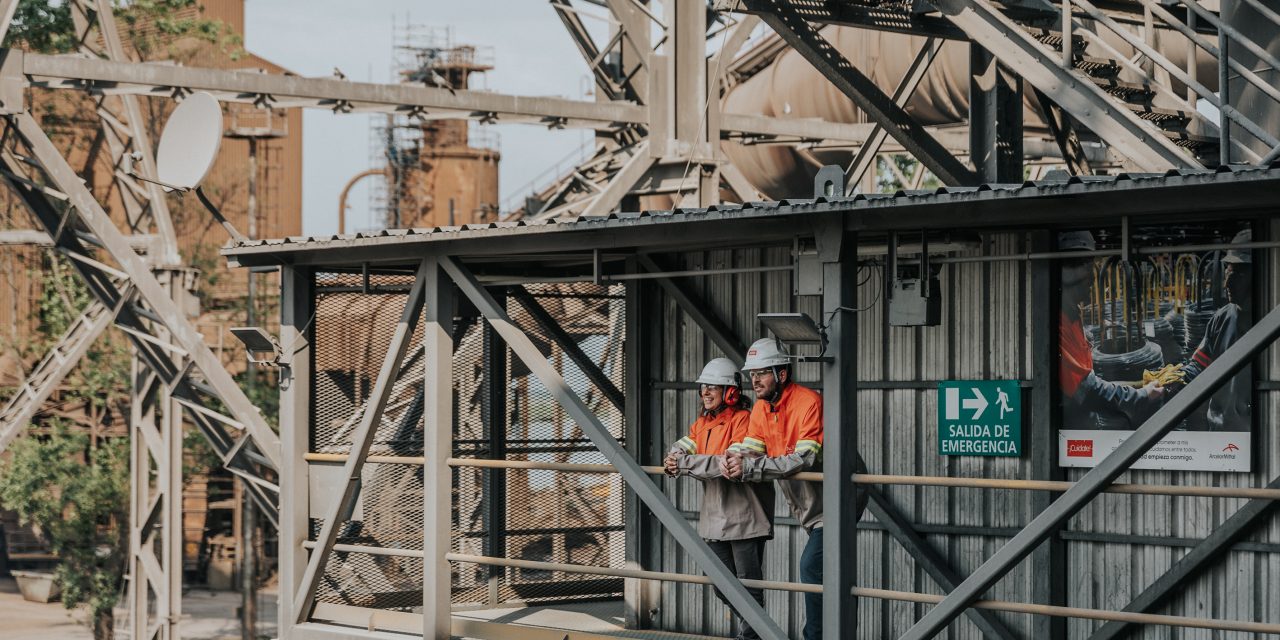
[[1104, 396], [700, 466], [807, 454], [685, 445], [752, 443], [1221, 333]]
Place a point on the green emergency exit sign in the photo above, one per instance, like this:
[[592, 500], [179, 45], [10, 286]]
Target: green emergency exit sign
[[979, 418]]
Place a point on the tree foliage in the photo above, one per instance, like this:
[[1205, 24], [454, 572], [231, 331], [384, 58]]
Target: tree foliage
[[77, 497], [101, 381], [149, 27]]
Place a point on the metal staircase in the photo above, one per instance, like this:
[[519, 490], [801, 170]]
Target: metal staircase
[[1178, 125], [575, 191], [1105, 67]]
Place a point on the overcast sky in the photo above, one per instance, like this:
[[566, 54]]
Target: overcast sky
[[532, 54]]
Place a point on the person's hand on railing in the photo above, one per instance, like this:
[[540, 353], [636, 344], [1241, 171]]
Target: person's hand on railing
[[731, 465], [671, 465]]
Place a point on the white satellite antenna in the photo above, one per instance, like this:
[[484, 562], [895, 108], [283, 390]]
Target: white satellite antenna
[[188, 147], [189, 143]]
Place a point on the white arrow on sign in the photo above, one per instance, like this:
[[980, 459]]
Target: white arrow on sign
[[978, 402], [953, 403]]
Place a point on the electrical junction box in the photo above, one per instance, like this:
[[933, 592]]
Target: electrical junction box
[[913, 304]]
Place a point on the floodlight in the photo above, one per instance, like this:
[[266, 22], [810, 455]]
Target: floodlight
[[256, 340], [792, 328]]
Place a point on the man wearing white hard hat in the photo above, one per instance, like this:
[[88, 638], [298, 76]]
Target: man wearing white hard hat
[[784, 438], [1229, 408], [736, 519]]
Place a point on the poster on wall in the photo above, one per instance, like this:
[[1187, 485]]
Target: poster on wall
[[1132, 334]]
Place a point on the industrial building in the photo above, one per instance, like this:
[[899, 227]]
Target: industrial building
[[1025, 251]]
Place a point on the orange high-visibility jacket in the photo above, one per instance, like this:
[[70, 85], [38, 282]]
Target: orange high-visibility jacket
[[784, 438], [730, 511]]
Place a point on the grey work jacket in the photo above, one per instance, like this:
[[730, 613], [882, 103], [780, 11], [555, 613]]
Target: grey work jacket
[[730, 510]]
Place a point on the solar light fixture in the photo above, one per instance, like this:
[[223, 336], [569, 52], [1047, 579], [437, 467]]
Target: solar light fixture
[[792, 328], [256, 340]]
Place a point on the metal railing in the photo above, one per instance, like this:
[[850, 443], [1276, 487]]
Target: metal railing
[[1250, 493], [1074, 12]]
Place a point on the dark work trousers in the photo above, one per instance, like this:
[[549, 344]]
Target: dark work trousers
[[745, 558], [811, 573]]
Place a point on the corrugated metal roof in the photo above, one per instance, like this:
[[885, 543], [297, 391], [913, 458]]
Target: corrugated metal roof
[[1076, 185]]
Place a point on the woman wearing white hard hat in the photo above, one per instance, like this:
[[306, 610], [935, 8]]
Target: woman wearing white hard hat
[[736, 519]]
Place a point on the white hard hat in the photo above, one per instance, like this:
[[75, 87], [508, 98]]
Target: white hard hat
[[766, 353], [1240, 256], [720, 372], [1076, 241]]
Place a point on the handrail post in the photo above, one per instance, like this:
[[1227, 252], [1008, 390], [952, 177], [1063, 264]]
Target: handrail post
[[1224, 98], [1067, 46]]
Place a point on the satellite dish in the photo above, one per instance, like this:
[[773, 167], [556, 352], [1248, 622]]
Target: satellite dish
[[189, 143]]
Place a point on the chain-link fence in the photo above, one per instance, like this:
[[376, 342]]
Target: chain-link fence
[[500, 412]]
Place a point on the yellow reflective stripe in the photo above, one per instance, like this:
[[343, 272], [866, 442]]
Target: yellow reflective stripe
[[808, 445], [752, 444], [687, 444]]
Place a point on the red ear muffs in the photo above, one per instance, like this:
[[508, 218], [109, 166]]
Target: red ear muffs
[[731, 395]]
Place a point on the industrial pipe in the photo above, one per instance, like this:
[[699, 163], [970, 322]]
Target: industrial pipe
[[342, 198]]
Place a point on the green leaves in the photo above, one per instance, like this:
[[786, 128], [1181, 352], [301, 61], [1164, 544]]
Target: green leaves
[[77, 498], [39, 25]]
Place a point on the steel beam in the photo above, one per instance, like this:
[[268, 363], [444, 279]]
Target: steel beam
[[361, 441], [322, 93], [1049, 560], [495, 416], [155, 516], [438, 499], [644, 407], [557, 333], [866, 157], [587, 47], [89, 212], [1179, 576], [297, 304], [240, 459], [1238, 356], [837, 251], [712, 325], [869, 16], [930, 560], [995, 118], [52, 369], [880, 108], [7, 9], [139, 143], [631, 472], [1064, 134], [621, 183], [326, 93], [636, 46], [1015, 48]]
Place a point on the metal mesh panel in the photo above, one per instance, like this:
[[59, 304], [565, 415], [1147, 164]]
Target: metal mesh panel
[[501, 412], [553, 516], [354, 324], [353, 330]]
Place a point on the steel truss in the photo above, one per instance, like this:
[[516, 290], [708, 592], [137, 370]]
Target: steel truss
[[650, 141], [177, 375]]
